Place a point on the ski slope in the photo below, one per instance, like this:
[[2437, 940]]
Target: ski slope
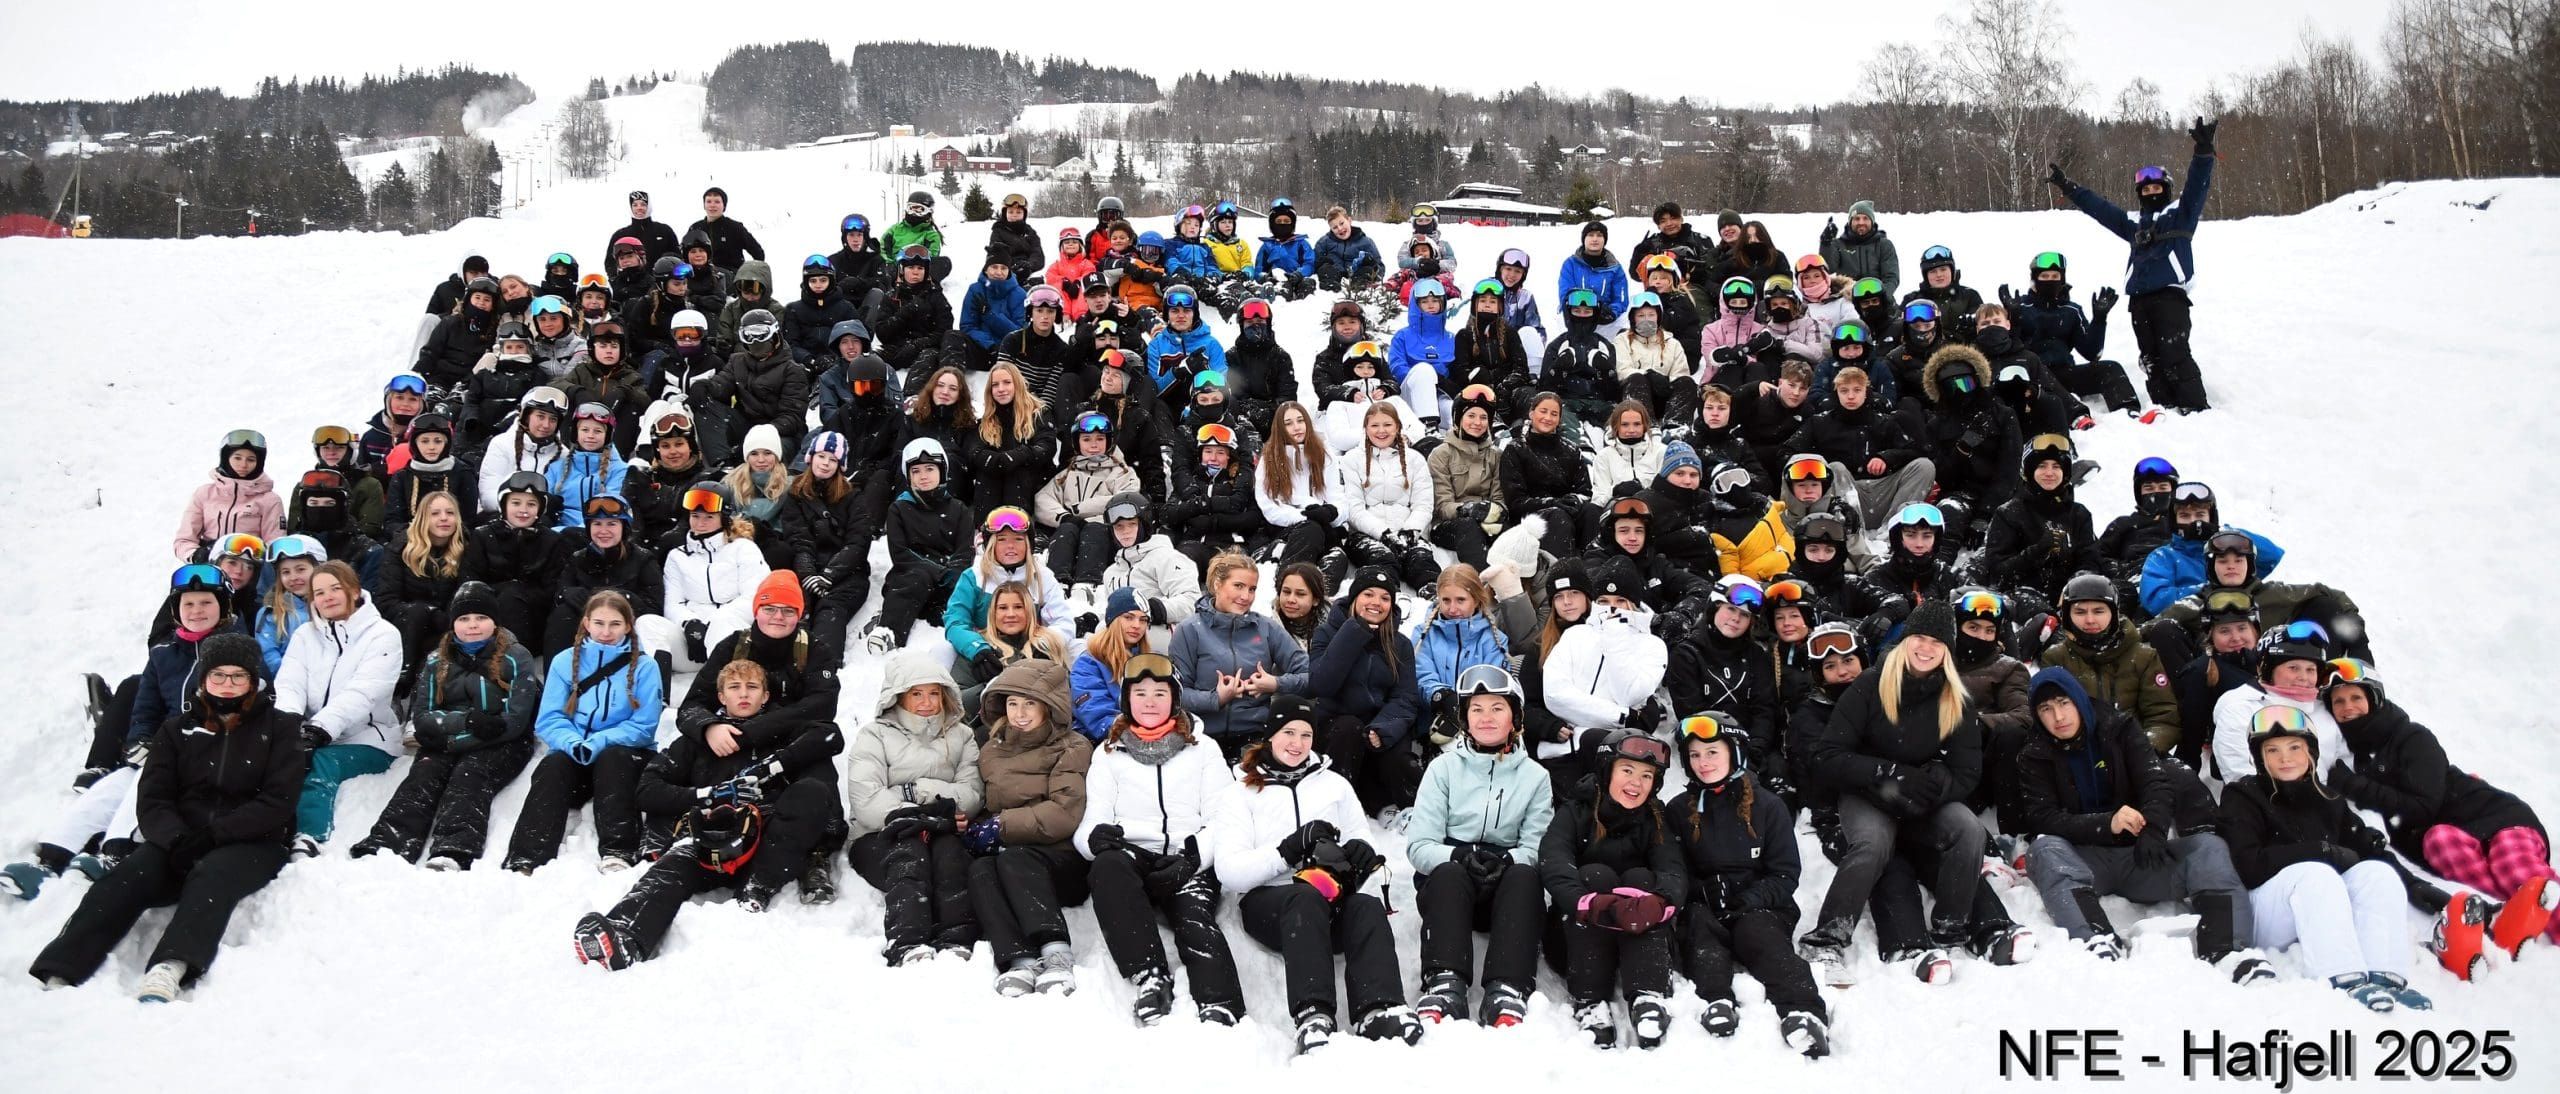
[[2391, 446]]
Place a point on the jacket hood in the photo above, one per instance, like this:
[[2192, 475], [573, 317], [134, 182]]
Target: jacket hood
[[758, 271], [1031, 678], [915, 668], [1955, 356], [2055, 676], [2384, 722]]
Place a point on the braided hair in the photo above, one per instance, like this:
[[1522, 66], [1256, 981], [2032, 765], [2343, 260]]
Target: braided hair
[[616, 603]]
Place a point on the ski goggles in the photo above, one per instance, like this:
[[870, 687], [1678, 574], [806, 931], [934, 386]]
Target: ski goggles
[[1190, 211], [760, 333], [1961, 385], [196, 577], [1663, 262], [1937, 255], [1849, 334], [1980, 603], [2151, 174], [700, 500], [407, 383], [854, 222], [1920, 311], [1831, 640], [1093, 422], [1811, 262], [2304, 630], [682, 272], [2230, 602], [1739, 286], [918, 209], [1278, 204], [1149, 667], [2048, 260], [297, 546], [1007, 519], [2230, 543], [1730, 477], [1487, 680], [1786, 591], [2153, 467], [1866, 286], [322, 478], [1216, 434], [332, 434], [639, 195], [2350, 670], [241, 545], [245, 438], [1181, 298], [1514, 257], [671, 424], [594, 412], [1114, 359], [1642, 748], [1809, 467], [595, 282], [607, 507], [1582, 298], [1365, 351], [1122, 511], [548, 305], [1739, 591], [1920, 512], [1224, 210], [1487, 287], [1207, 380], [1254, 311], [1630, 507], [2278, 718], [1476, 393], [817, 266], [1710, 725], [2192, 491]]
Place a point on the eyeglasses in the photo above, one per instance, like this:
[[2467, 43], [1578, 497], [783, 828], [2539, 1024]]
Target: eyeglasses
[[1980, 602], [1810, 467], [699, 500], [2279, 718], [854, 223], [1921, 512], [1831, 640], [241, 545], [2048, 260], [196, 578], [607, 507], [228, 676], [672, 424], [1007, 519], [2192, 491], [332, 434], [2153, 467], [407, 383], [1217, 435], [244, 438]]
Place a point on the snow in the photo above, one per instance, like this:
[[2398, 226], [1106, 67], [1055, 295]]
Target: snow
[[1075, 117], [2334, 435]]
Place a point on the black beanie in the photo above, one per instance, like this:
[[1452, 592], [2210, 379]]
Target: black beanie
[[1286, 708], [1933, 619], [474, 598], [230, 650], [1369, 577]]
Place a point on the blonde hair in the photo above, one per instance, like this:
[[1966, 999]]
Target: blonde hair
[[421, 554], [1111, 649], [1226, 563], [613, 602], [1466, 579], [1369, 451], [1712, 394], [1037, 640], [347, 580], [1951, 695], [1278, 476], [742, 482], [737, 669], [1990, 311], [1026, 408]]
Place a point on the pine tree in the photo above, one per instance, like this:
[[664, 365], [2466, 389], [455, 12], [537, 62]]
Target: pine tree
[[950, 184], [1549, 165], [976, 207], [395, 201], [1585, 194]]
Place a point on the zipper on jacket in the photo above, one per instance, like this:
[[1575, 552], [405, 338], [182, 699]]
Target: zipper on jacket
[[1163, 811]]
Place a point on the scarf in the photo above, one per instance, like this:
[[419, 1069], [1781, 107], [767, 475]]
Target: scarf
[[2297, 694], [1275, 775], [1153, 750]]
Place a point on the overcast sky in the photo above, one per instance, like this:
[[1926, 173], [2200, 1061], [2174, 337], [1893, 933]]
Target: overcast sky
[[1787, 52]]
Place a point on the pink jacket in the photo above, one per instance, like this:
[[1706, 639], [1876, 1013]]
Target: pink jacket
[[1731, 330], [226, 505]]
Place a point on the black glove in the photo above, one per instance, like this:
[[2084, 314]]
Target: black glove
[[1106, 837], [2370, 843], [2055, 177], [2344, 858], [2008, 299], [1359, 861], [1155, 611], [903, 823], [1484, 865], [1971, 441], [2058, 543], [2103, 302], [1830, 230], [1321, 513], [1294, 846], [1445, 709], [1644, 717], [986, 663], [816, 585], [315, 738], [190, 844], [1762, 343], [940, 816], [695, 631], [1888, 793], [1173, 870], [1086, 623], [1474, 512], [2202, 134], [1726, 355], [2151, 849]]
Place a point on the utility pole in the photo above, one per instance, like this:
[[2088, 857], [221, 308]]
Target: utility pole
[[182, 218]]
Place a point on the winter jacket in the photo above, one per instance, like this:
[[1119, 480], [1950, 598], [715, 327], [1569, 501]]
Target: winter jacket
[[1486, 350], [1349, 257], [2114, 758], [2238, 708], [1167, 351], [900, 759], [932, 534], [414, 481], [1349, 676], [1578, 836], [1709, 671], [1736, 864], [859, 272], [2178, 568], [1602, 275], [1855, 256], [1725, 342], [964, 616], [1188, 259], [454, 347], [1753, 540], [225, 505], [1661, 355], [1541, 470], [1382, 492], [1972, 439], [1997, 689], [1443, 648], [2401, 772], [1232, 255], [1142, 282], [1502, 800], [1215, 641], [1462, 471], [913, 319], [619, 710], [1260, 376], [2278, 603], [798, 695], [2127, 543], [2270, 826], [1581, 365], [731, 243], [2164, 240], [508, 696], [1020, 245], [1256, 820], [225, 785], [1622, 467], [810, 323], [1158, 806], [912, 232], [2125, 674], [1866, 744], [1097, 696], [1224, 511], [339, 676], [168, 671], [1159, 574], [704, 575], [1604, 668], [1297, 256], [1034, 779], [582, 476], [1425, 340], [499, 553], [1067, 272], [1290, 513], [509, 452], [1084, 488], [992, 309], [2038, 541]]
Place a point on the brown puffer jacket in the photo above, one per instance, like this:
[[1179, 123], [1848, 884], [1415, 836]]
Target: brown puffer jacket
[[1035, 780]]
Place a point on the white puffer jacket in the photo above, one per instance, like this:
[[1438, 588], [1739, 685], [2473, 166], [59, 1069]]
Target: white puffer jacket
[[705, 575], [340, 676], [1250, 831], [1156, 571], [1620, 461], [1383, 493], [1660, 354], [1604, 668], [1083, 489], [2239, 706], [1158, 807], [502, 459], [899, 759], [1285, 514]]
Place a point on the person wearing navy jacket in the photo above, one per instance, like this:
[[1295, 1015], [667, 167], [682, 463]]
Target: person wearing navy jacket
[[1361, 678], [598, 725], [2162, 264], [1285, 250], [1345, 256], [991, 309]]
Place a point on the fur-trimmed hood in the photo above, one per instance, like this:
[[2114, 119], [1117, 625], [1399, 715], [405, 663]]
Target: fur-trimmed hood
[[1955, 356]]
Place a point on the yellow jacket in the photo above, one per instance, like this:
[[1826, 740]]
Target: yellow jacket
[[1763, 554], [1233, 256]]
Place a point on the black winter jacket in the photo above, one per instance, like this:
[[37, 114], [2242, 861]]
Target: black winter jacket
[[797, 693], [2128, 774], [1737, 866], [453, 347], [1347, 677], [208, 785], [731, 243], [1865, 745], [1590, 831], [632, 570], [2401, 772]]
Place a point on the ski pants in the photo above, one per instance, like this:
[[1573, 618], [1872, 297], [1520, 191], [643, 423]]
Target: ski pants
[[560, 785], [912, 593], [1126, 903], [1756, 940], [2510, 858], [2102, 378], [1018, 894], [2198, 865], [1882, 496], [1869, 836], [924, 884], [2351, 922], [831, 617], [1593, 959], [1080, 551], [106, 739], [1307, 930], [2160, 327], [793, 823], [1464, 537], [1454, 908], [316, 814], [1571, 525], [421, 626], [446, 796], [205, 889], [1381, 777]]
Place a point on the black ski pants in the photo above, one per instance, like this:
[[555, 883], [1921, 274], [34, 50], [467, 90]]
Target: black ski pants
[[205, 889], [1127, 903], [1307, 930], [1019, 893], [924, 883], [560, 785], [1454, 908], [446, 797]]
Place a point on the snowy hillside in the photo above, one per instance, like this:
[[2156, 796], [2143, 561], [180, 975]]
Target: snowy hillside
[[2398, 449]]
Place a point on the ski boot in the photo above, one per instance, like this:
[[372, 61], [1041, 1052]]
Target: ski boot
[[2404, 996], [1444, 996], [1220, 1014], [1930, 964], [1807, 1034], [602, 941], [2247, 968], [1651, 1018], [2105, 947], [22, 880], [2461, 933], [1721, 1017], [2528, 913], [1315, 1030], [1057, 975], [2375, 995], [2003, 944], [818, 882], [1155, 997], [1596, 1020], [96, 866], [1504, 1006], [1391, 1024]]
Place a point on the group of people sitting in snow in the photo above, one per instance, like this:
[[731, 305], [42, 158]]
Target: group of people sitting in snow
[[1586, 622]]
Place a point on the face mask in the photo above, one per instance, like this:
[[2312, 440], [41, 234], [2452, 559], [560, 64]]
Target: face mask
[[1646, 326], [220, 705], [323, 518], [1974, 651], [1427, 267], [2152, 503], [1254, 332], [1782, 313]]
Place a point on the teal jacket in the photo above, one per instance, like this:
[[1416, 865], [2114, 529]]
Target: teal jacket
[[1469, 797]]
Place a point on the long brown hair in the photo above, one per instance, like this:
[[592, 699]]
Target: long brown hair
[[807, 487], [1742, 802], [1652, 807], [617, 604], [1113, 651], [421, 554], [1026, 408], [1277, 472], [964, 414], [1256, 762]]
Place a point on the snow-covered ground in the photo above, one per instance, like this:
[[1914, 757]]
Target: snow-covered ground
[[2396, 451]]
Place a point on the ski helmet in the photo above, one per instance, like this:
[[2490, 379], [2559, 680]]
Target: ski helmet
[[2048, 260], [2089, 587], [1637, 746], [525, 482], [816, 266], [2297, 641], [758, 327], [920, 197], [1143, 668], [1490, 679], [692, 320], [1718, 726], [1108, 205], [2047, 448], [2277, 720], [2354, 671], [1043, 297]]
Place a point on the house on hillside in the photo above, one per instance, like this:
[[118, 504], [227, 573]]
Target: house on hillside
[[947, 158], [1487, 203], [902, 131], [987, 165]]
